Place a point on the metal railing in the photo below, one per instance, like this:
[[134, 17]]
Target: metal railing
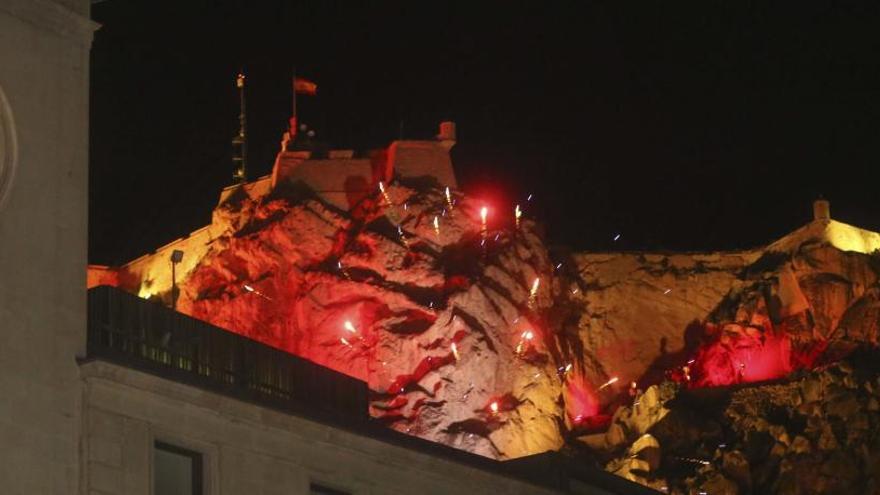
[[130, 331]]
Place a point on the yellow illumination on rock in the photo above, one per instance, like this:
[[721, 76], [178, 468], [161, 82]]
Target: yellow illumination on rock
[[838, 234]]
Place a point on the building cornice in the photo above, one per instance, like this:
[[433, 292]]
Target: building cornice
[[53, 17]]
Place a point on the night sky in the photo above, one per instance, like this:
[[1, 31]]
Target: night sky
[[679, 125]]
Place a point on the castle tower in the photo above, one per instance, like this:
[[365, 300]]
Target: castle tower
[[821, 210]]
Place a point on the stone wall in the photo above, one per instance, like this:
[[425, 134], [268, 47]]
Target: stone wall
[[251, 449], [44, 55]]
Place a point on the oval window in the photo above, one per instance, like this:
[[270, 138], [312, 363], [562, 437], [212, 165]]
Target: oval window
[[7, 148]]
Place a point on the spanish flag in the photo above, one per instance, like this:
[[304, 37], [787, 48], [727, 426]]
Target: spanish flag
[[304, 86]]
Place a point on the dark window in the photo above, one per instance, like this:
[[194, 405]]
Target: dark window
[[176, 471], [316, 489]]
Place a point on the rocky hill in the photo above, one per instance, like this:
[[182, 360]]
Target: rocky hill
[[469, 333]]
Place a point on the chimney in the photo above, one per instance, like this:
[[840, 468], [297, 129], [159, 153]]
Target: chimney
[[447, 134], [821, 210]]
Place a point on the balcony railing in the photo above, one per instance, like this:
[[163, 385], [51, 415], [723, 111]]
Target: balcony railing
[[127, 330]]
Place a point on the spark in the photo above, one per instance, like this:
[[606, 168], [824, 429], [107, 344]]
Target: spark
[[149, 295], [535, 285], [559, 266], [405, 206], [400, 231], [494, 407], [529, 198], [484, 213], [617, 237], [339, 264], [454, 350], [537, 375], [568, 367], [255, 291], [348, 326], [483, 243], [667, 291], [609, 382], [517, 213], [497, 236], [436, 225], [448, 197], [342, 339], [526, 336], [384, 193], [575, 291]]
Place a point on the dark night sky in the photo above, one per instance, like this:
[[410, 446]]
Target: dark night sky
[[684, 126]]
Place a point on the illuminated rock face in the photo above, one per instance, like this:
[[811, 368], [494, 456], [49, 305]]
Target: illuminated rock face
[[459, 345], [439, 319], [730, 317]]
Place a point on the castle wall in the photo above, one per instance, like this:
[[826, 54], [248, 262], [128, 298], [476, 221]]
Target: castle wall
[[423, 159]]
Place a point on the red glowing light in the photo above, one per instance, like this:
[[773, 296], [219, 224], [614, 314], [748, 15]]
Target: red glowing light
[[580, 400], [738, 355]]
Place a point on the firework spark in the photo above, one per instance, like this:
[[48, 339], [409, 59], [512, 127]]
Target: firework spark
[[612, 381]]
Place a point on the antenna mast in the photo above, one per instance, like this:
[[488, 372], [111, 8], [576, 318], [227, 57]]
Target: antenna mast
[[239, 142]]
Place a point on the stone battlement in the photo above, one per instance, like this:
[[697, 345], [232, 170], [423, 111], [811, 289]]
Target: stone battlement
[[343, 179]]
